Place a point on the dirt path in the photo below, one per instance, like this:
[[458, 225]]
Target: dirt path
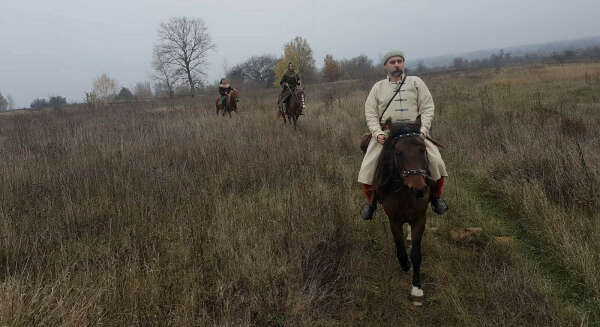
[[486, 282]]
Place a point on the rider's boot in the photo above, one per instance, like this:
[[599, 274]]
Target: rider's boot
[[438, 204], [368, 210]]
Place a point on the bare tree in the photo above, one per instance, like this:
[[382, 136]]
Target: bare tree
[[360, 67], [38, 103], [164, 72], [105, 88], [3, 103], [459, 63], [57, 102], [11, 102], [259, 70], [184, 44], [143, 90]]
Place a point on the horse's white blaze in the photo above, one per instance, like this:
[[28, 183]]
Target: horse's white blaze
[[416, 292], [408, 237]]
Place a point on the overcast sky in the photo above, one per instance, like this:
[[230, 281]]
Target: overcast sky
[[58, 47]]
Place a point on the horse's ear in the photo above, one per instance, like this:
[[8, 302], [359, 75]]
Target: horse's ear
[[418, 121]]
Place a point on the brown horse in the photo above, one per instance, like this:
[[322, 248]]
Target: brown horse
[[230, 103], [293, 109], [403, 188]]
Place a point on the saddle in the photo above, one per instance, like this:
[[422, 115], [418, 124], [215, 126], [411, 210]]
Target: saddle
[[366, 139], [364, 142]]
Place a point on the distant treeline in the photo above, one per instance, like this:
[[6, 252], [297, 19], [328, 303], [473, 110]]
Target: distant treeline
[[180, 60], [502, 58], [260, 71]]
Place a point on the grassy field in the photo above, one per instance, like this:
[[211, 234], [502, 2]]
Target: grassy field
[[164, 214]]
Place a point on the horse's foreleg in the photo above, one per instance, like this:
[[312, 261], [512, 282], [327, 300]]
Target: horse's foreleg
[[400, 247], [418, 227]]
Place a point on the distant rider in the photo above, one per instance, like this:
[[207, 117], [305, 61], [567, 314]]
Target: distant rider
[[224, 90], [289, 82]]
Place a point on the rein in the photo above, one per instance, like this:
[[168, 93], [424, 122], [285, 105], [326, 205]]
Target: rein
[[293, 93]]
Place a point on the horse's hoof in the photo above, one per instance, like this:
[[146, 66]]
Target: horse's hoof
[[416, 292]]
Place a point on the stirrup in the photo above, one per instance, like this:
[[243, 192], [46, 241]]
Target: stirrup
[[439, 206], [368, 211]]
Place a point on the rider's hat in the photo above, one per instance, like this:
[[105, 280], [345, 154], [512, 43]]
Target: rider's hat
[[393, 53]]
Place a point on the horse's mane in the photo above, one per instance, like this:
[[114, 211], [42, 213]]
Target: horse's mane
[[386, 171]]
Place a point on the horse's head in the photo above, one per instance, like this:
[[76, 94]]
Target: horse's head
[[235, 96], [408, 155]]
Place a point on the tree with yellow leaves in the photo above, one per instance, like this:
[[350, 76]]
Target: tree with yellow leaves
[[298, 52], [331, 69]]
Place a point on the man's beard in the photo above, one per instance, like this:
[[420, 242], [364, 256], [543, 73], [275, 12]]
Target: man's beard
[[397, 73]]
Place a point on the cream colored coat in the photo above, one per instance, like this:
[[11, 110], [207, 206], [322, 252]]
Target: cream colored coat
[[413, 99]]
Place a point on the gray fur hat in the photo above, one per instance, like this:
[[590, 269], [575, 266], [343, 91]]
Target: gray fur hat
[[393, 53]]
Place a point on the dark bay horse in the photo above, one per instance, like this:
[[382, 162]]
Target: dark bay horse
[[402, 186], [230, 103], [293, 109]]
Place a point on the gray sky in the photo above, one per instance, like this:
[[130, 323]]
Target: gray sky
[[58, 47]]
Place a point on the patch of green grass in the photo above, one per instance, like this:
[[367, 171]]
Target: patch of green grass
[[533, 248]]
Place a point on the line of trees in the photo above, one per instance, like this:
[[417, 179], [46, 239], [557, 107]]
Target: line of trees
[[55, 102], [179, 61], [267, 70], [501, 58]]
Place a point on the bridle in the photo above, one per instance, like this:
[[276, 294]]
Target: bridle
[[410, 172]]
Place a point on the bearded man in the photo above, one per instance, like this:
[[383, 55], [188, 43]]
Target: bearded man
[[402, 99]]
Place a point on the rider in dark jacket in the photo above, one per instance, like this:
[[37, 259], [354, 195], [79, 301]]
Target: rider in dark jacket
[[289, 82]]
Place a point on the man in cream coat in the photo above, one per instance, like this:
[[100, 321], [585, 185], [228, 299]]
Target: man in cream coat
[[412, 100]]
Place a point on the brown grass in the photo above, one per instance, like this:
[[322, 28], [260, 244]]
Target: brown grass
[[169, 215]]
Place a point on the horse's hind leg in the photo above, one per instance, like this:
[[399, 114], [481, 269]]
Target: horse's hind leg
[[400, 247]]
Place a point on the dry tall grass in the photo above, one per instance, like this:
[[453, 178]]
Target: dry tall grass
[[169, 215]]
